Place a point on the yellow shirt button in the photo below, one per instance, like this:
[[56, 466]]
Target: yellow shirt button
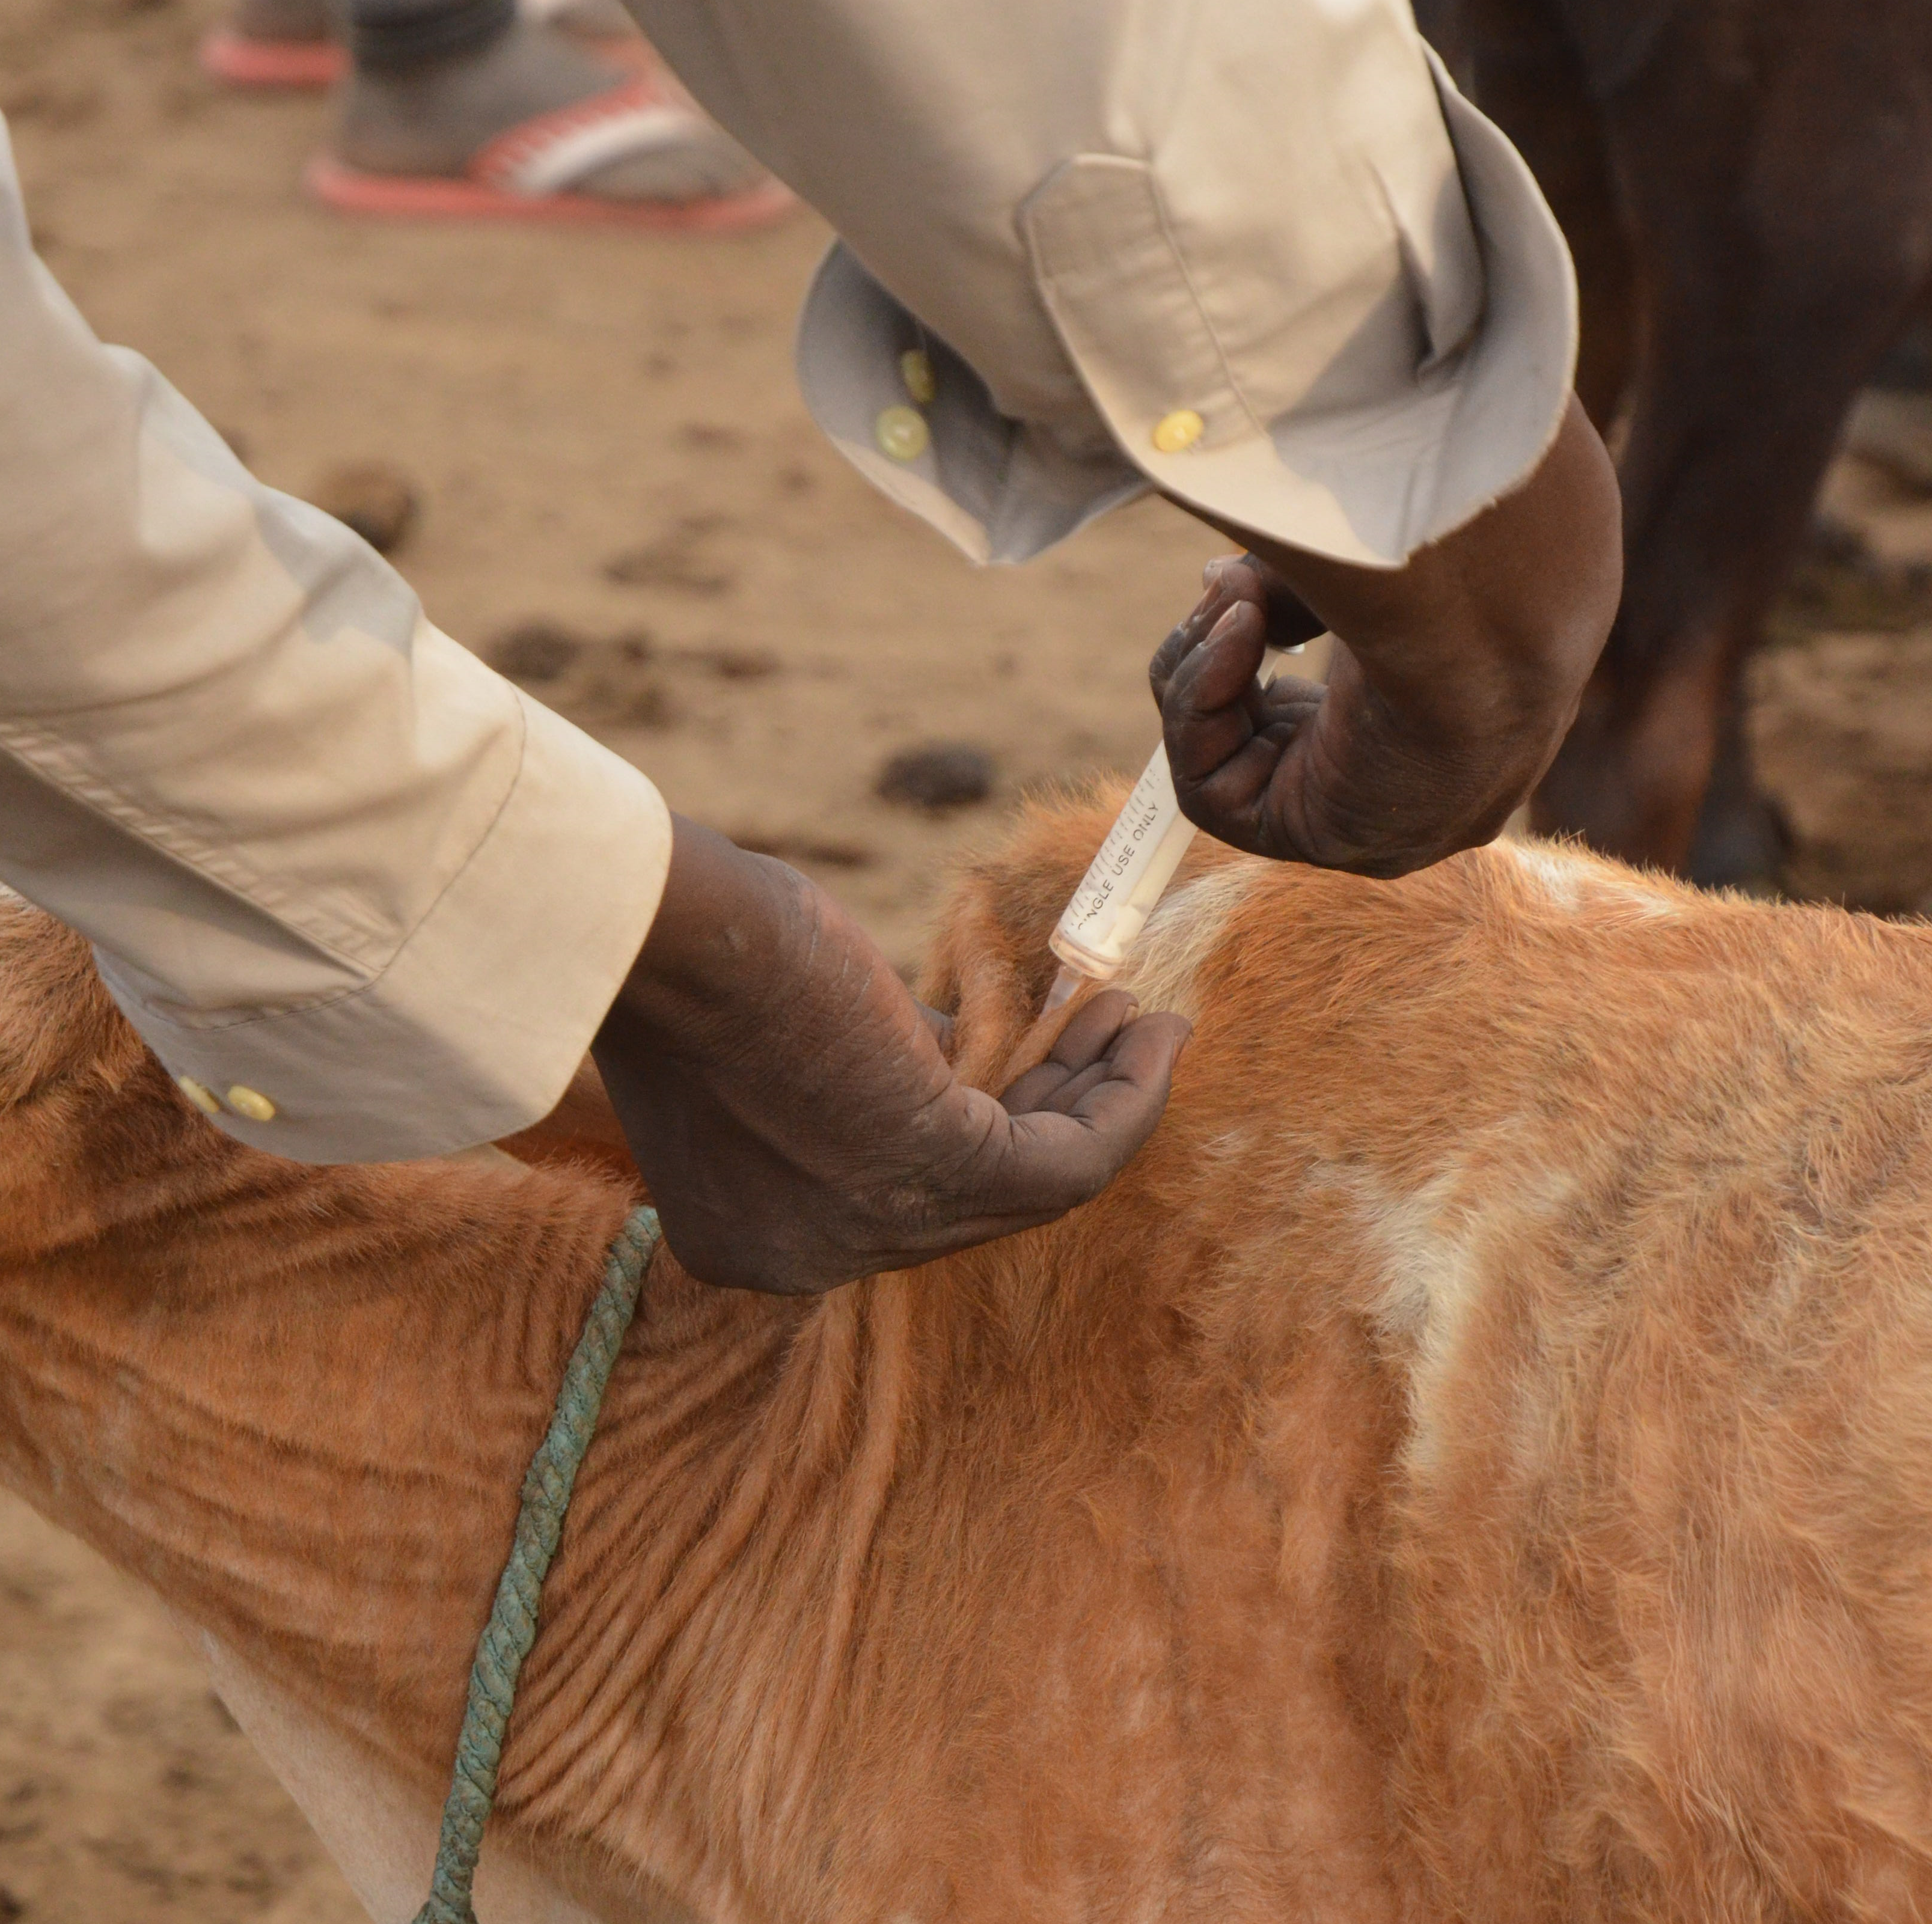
[[199, 1094], [915, 371], [251, 1103], [901, 432], [1175, 431]]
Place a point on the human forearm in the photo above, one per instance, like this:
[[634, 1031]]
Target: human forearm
[[1489, 634], [327, 857]]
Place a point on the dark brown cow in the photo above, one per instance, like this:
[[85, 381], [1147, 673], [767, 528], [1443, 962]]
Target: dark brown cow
[[1747, 187]]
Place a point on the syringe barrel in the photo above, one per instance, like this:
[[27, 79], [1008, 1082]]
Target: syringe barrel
[[1136, 862]]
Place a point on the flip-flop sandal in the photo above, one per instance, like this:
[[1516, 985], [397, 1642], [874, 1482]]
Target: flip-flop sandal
[[530, 173], [242, 62]]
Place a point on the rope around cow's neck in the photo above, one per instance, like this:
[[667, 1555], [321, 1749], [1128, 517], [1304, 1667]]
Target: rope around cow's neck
[[512, 1627]]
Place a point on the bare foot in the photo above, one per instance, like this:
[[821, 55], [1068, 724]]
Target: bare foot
[[434, 119]]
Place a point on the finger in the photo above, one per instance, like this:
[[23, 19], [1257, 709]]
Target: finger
[[1247, 800], [1064, 1094], [1220, 673], [1090, 1034], [1083, 1042], [1205, 713], [1221, 568], [1233, 803], [1291, 622], [1225, 581], [1035, 1168], [1288, 701], [1052, 1162]]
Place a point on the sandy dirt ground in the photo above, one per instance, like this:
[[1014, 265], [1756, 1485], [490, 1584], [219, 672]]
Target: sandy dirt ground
[[606, 441], [127, 1794]]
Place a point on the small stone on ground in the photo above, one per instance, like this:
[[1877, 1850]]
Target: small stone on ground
[[535, 651], [375, 497], [940, 775]]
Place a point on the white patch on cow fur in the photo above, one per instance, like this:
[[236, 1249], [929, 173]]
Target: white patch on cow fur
[[1573, 880], [1442, 1248], [1432, 1250], [1558, 877], [1181, 933]]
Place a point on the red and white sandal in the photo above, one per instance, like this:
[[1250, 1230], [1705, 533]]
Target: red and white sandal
[[532, 173]]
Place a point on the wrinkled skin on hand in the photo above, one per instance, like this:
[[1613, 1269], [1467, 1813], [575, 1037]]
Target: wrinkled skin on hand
[[1453, 682], [792, 1107], [1338, 775]]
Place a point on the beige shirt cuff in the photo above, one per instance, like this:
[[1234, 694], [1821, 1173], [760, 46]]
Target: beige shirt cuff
[[476, 1024], [364, 898], [1442, 396]]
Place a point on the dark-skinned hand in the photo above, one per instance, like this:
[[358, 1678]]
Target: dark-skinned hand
[[792, 1108], [1452, 680]]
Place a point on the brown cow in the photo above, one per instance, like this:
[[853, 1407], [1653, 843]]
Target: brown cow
[[1746, 188], [1476, 1463]]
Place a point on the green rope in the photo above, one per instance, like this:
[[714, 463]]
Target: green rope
[[512, 1627]]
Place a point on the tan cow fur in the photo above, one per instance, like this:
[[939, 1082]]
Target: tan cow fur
[[1476, 1463]]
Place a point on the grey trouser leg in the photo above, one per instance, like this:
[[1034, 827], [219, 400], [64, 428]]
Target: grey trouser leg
[[384, 35]]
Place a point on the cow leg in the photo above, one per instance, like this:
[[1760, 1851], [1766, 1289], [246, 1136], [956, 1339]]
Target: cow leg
[[1739, 841], [1528, 76], [1777, 166]]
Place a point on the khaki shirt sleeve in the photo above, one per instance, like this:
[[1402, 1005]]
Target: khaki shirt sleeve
[[362, 896], [1258, 253]]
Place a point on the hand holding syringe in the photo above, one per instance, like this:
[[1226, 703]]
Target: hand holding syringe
[[1128, 876]]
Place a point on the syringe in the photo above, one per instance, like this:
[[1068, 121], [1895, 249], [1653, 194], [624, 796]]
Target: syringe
[[1128, 876]]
